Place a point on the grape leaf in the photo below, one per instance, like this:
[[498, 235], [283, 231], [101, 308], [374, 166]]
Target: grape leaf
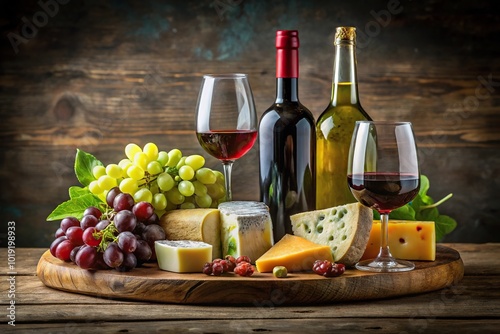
[[444, 225], [75, 191], [84, 164], [74, 207]]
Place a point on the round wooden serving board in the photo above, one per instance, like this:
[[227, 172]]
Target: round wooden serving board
[[151, 284]]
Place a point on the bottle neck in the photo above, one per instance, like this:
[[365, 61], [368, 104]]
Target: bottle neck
[[287, 90], [345, 83]]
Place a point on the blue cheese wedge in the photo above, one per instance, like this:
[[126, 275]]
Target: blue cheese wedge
[[182, 256], [345, 228], [246, 229]]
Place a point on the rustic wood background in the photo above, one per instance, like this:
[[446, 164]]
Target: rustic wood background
[[99, 74]]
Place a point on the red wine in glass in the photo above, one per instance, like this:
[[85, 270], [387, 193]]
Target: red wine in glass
[[384, 192], [227, 145]]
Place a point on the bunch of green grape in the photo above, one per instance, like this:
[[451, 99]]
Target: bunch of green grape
[[166, 180]]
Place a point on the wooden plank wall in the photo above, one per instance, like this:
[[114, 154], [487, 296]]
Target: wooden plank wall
[[99, 74]]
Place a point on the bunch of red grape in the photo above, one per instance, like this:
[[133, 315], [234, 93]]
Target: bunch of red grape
[[240, 266], [328, 269], [121, 237]]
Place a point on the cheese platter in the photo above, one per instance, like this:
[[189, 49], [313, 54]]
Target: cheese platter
[[148, 283]]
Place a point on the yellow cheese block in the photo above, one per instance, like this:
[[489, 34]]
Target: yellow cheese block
[[408, 240], [182, 256], [293, 252]]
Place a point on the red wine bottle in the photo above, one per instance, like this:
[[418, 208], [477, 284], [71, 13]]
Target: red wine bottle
[[287, 143]]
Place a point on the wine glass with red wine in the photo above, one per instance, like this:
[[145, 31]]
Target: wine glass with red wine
[[226, 122], [383, 174]]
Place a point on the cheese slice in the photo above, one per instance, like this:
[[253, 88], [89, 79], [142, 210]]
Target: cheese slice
[[194, 224], [294, 253], [246, 228], [182, 256], [345, 228], [408, 240]]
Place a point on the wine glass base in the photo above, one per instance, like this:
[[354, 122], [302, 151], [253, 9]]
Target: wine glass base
[[388, 265]]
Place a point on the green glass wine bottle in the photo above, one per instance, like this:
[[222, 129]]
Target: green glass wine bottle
[[335, 125]]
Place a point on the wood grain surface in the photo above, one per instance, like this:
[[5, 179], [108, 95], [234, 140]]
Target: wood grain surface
[[100, 74], [151, 284]]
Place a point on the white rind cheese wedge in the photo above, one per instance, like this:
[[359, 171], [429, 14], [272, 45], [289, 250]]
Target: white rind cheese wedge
[[345, 228], [246, 229], [182, 256]]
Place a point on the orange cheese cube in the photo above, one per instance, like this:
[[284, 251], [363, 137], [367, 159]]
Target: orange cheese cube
[[408, 240], [293, 252]]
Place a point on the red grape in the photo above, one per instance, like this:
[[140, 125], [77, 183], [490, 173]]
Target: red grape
[[74, 251], [88, 237], [244, 269], [92, 211], [75, 234], [55, 243], [327, 268], [68, 222], [129, 262], [64, 249], [113, 256], [112, 193], [152, 233], [143, 210], [123, 201], [88, 221], [127, 242], [125, 220], [59, 233], [154, 219], [142, 252], [86, 257], [102, 224]]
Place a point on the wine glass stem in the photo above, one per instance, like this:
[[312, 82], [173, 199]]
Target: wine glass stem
[[228, 166], [384, 236]]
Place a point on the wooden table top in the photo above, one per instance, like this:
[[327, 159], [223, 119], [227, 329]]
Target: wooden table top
[[471, 305]]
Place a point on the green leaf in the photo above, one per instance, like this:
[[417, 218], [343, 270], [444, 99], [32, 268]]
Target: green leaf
[[431, 214], [444, 225], [424, 187], [403, 213], [75, 192], [84, 164], [74, 207]]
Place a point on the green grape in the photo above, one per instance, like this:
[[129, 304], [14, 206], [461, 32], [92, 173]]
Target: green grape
[[141, 160], [165, 181], [114, 171], [195, 161], [154, 188], [180, 163], [129, 186], [162, 158], [203, 201], [188, 205], [174, 196], [199, 188], [98, 171], [186, 188], [124, 163], [151, 151], [186, 172], [159, 201], [189, 199], [131, 150], [174, 156], [143, 194], [170, 206], [177, 178], [220, 177], [106, 182], [94, 188], [135, 172], [154, 167], [216, 190], [206, 175]]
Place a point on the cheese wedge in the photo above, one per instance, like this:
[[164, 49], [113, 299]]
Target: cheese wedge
[[408, 240], [194, 224], [182, 256], [246, 228], [294, 253], [345, 229]]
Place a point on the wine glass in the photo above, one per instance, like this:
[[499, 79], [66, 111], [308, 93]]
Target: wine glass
[[383, 174], [226, 122]]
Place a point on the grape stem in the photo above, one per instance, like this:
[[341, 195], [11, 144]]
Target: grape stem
[[430, 206]]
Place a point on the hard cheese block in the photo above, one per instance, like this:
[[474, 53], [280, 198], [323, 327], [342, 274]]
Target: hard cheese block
[[194, 224], [408, 240], [345, 229], [182, 256], [246, 229], [294, 253]]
